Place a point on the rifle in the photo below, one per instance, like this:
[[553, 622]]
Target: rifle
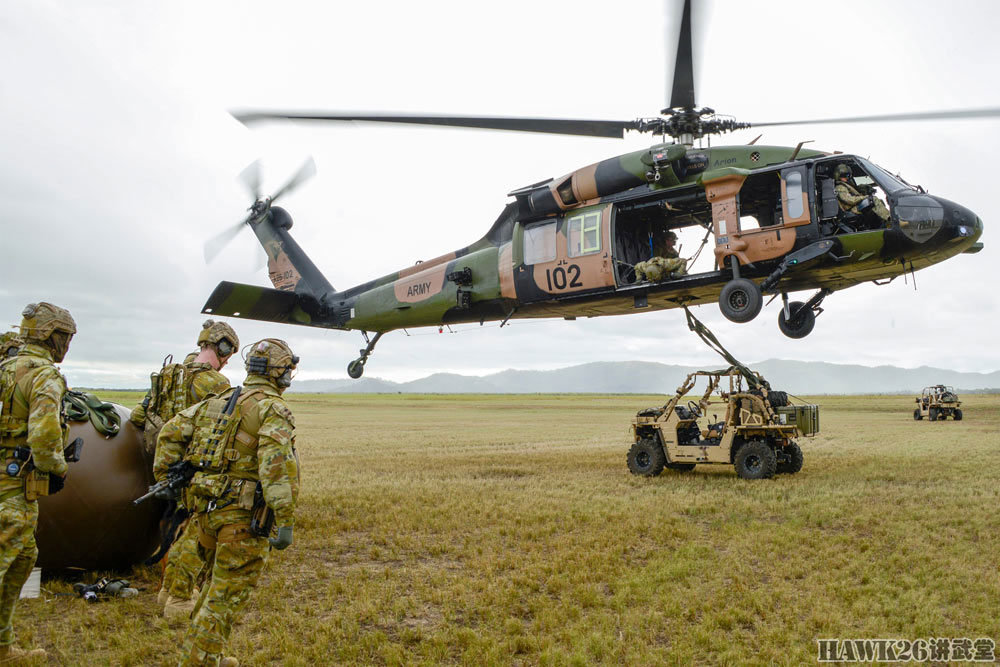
[[178, 476]]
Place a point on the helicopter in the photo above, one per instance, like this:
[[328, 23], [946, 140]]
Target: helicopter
[[568, 247]]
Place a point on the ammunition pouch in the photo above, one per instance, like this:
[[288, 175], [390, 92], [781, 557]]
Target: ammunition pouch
[[36, 485], [208, 486]]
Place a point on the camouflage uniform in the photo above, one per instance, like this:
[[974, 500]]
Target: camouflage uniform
[[175, 388], [257, 445], [663, 261], [31, 391], [10, 342], [849, 197]]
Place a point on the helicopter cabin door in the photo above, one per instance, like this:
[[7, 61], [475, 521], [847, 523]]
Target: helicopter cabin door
[[565, 256], [770, 206]]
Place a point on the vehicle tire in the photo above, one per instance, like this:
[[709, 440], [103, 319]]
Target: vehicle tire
[[755, 460], [932, 414], [740, 300], [916, 415], [793, 459], [682, 467], [777, 399], [802, 322], [356, 369], [957, 414], [646, 458]]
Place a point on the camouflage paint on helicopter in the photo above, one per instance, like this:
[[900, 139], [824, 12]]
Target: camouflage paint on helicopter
[[558, 249]]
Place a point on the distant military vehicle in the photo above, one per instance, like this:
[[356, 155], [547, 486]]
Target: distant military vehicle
[[938, 402], [756, 433]]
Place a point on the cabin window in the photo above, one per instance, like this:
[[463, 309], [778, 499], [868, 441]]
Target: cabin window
[[540, 243], [583, 234], [793, 191]]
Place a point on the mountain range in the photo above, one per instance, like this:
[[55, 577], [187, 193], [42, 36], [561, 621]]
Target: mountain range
[[640, 377]]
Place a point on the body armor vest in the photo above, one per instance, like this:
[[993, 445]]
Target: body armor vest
[[14, 410], [224, 447]]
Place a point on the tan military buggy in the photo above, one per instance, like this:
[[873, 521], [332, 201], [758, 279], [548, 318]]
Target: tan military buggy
[[756, 434], [938, 402]]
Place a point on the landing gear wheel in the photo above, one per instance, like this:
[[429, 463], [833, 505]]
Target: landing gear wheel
[[356, 368], [932, 414], [957, 414], [791, 459], [682, 467], [740, 300], [802, 322], [646, 458], [755, 460], [916, 415]]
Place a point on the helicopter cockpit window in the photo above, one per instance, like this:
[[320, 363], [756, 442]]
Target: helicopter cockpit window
[[583, 234], [540, 243], [888, 182]]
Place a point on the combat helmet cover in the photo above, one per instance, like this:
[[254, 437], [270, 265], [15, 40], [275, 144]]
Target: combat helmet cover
[[273, 359], [40, 320], [842, 171], [219, 334]]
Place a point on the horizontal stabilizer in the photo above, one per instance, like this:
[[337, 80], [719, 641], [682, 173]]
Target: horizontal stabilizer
[[253, 302]]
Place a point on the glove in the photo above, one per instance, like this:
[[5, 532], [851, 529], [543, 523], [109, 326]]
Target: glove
[[283, 540], [56, 483]]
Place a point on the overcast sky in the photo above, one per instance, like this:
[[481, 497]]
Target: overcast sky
[[119, 159]]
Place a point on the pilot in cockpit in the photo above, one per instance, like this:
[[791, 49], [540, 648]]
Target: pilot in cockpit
[[852, 200]]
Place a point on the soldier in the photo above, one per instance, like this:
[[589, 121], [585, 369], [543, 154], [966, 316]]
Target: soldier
[[664, 261], [851, 199], [33, 434], [10, 343], [174, 388], [242, 445]]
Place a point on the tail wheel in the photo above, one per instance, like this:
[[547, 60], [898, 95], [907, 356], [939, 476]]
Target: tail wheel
[[740, 300], [790, 461], [755, 460], [646, 458], [801, 323]]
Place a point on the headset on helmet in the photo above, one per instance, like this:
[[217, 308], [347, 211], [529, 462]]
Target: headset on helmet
[[221, 335], [842, 171], [272, 358]]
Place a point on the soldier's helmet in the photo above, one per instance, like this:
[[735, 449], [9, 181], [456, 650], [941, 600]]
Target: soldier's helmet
[[10, 343], [842, 171], [671, 236], [221, 335], [45, 323], [273, 359]]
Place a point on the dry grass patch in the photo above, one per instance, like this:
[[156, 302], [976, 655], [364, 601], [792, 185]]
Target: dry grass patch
[[507, 530]]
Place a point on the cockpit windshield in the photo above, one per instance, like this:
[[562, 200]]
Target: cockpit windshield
[[888, 182]]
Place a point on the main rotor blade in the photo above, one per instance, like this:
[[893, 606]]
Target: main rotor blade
[[215, 245], [591, 128], [682, 91], [250, 177], [917, 115], [305, 172]]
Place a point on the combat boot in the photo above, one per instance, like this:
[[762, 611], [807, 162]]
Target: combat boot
[[12, 653], [229, 661], [176, 609]]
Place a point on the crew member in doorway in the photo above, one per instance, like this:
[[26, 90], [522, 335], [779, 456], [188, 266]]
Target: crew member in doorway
[[664, 262]]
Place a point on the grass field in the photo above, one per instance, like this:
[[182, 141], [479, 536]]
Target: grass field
[[507, 530]]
